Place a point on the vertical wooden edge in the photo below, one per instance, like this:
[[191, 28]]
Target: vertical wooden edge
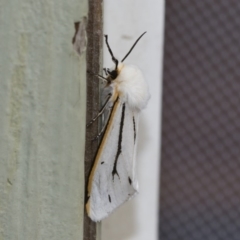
[[94, 64]]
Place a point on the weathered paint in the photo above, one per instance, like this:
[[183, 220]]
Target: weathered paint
[[42, 123]]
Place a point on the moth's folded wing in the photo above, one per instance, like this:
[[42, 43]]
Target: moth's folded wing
[[112, 180]]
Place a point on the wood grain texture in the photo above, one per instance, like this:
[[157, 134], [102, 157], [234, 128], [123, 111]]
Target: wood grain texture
[[42, 124], [94, 64]]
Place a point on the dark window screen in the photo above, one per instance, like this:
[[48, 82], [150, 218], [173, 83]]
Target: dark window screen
[[200, 163]]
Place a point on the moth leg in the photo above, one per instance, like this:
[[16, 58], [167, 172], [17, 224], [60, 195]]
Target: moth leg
[[98, 75], [101, 132], [104, 127], [101, 111], [103, 78], [105, 71]]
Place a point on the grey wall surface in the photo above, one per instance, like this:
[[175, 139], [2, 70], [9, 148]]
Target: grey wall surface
[[42, 123]]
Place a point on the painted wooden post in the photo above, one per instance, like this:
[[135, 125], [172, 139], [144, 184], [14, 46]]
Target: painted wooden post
[[94, 64], [42, 123]]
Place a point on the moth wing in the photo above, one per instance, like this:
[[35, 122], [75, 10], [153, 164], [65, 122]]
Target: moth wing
[[113, 179]]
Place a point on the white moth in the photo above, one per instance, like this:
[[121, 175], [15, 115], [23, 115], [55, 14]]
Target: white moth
[[113, 177]]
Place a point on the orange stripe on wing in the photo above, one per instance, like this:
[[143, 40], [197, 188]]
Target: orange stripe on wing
[[116, 101]]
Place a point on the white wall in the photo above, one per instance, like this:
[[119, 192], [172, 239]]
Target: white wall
[[124, 21]]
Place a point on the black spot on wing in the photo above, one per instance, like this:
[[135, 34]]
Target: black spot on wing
[[130, 180], [134, 129], [109, 198], [102, 162], [119, 149]]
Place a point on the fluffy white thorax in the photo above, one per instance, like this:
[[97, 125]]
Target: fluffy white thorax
[[131, 86]]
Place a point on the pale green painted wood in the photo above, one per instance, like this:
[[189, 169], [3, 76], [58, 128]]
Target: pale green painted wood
[[42, 121]]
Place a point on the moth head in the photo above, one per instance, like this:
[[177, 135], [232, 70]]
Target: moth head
[[113, 73]]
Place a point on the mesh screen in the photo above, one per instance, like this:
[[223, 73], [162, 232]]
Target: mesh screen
[[200, 168]]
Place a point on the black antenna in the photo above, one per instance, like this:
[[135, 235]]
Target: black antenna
[[110, 51], [132, 47]]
